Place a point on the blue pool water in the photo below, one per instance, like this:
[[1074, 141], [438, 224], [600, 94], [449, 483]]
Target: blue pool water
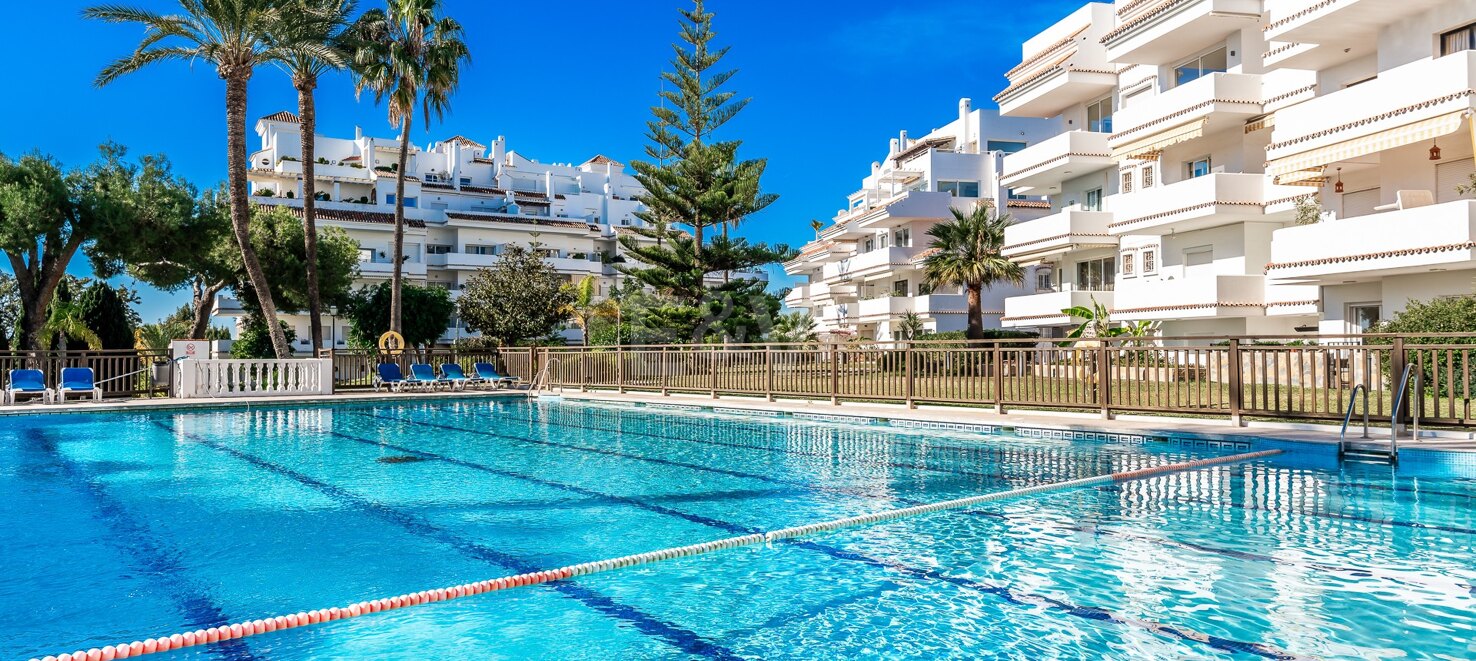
[[121, 526]]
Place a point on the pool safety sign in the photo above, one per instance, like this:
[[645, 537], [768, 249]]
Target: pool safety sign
[[192, 349]]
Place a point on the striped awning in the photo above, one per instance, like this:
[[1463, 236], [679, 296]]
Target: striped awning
[[1150, 147], [1260, 122], [1310, 163]]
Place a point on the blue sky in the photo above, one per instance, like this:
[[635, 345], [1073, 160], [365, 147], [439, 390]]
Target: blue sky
[[830, 82]]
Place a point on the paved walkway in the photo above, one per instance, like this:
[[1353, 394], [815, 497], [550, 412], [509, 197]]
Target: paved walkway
[[75, 406]]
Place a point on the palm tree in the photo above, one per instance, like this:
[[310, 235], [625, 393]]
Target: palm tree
[[817, 226], [311, 40], [232, 36], [793, 327], [585, 308], [409, 56], [65, 322], [968, 254]]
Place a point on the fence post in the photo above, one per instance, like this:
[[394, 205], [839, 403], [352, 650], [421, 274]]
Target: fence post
[[1104, 381], [998, 352], [769, 372], [665, 371], [620, 370], [835, 373], [1237, 383], [907, 383], [712, 358], [1397, 362]]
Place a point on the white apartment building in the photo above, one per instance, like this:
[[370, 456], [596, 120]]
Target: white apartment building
[[862, 273], [1189, 130], [465, 202]]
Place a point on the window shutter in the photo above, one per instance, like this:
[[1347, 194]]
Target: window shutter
[[1452, 174], [1360, 203]]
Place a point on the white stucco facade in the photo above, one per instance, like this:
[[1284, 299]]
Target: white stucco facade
[[1189, 131], [861, 275], [465, 203]]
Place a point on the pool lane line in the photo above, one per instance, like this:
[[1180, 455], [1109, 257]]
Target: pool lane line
[[135, 539], [638, 457], [958, 454], [682, 639], [1003, 592], [556, 577]]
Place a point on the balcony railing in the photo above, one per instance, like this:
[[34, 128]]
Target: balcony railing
[[1041, 167], [1158, 33], [1212, 200], [1068, 230], [1418, 240], [1220, 100], [875, 261], [1044, 309]]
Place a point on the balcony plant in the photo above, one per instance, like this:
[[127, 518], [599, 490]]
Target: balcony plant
[[1308, 209]]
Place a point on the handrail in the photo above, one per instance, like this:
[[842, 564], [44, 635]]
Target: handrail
[[1394, 414], [540, 380], [136, 372], [1343, 435]]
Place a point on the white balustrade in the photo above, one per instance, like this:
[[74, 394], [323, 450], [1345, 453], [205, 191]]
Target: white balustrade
[[255, 378]]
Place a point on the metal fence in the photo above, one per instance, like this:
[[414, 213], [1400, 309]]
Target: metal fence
[[1229, 377], [120, 373]]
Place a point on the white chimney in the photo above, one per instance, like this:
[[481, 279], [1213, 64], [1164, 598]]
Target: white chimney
[[548, 182], [358, 133], [902, 140], [875, 167], [965, 131], [893, 149]]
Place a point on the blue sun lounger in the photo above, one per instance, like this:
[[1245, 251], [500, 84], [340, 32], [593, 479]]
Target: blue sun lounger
[[458, 379], [78, 381], [488, 372], [30, 383], [389, 377], [424, 376]]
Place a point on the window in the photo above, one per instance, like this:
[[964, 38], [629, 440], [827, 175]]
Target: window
[[1010, 194], [904, 237], [868, 244], [1094, 200], [1458, 40], [1006, 146], [466, 181], [1201, 66], [1148, 175], [433, 249], [1135, 94], [1150, 262], [410, 202], [1043, 280], [1363, 316], [481, 250], [1199, 256], [899, 288], [1197, 167], [959, 188], [366, 254], [1127, 181], [1099, 116], [923, 288], [1128, 261], [882, 239], [1096, 274]]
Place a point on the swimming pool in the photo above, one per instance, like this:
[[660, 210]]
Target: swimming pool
[[121, 526]]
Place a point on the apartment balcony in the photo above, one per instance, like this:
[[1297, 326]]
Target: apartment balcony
[[378, 269], [1044, 309], [818, 252], [932, 305], [1190, 298], [1411, 104], [1071, 229], [461, 261], [1040, 168], [1318, 35], [1438, 237], [798, 298], [1207, 104], [822, 293], [883, 308], [869, 263], [1212, 200], [1161, 32], [894, 211]]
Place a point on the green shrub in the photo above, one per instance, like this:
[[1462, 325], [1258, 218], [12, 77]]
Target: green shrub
[[1456, 314]]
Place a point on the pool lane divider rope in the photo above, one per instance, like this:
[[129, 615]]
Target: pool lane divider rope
[[307, 618]]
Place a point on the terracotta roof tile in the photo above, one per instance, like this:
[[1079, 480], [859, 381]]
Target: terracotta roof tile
[[282, 116], [465, 141], [349, 216], [511, 218]]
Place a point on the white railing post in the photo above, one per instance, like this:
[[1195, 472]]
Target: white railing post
[[246, 378]]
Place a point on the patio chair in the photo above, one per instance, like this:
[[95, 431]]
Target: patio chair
[[389, 377], [30, 383], [78, 381], [457, 378], [488, 372], [424, 376], [1408, 199]]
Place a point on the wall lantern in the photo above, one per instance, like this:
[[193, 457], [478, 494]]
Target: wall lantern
[[1434, 151], [1338, 187]]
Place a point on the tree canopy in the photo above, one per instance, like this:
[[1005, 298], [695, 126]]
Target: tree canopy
[[520, 297], [428, 311]]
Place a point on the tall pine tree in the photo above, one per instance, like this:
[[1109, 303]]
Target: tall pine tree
[[694, 180]]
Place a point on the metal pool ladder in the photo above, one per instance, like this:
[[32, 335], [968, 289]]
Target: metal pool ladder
[[1377, 451], [540, 380]]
